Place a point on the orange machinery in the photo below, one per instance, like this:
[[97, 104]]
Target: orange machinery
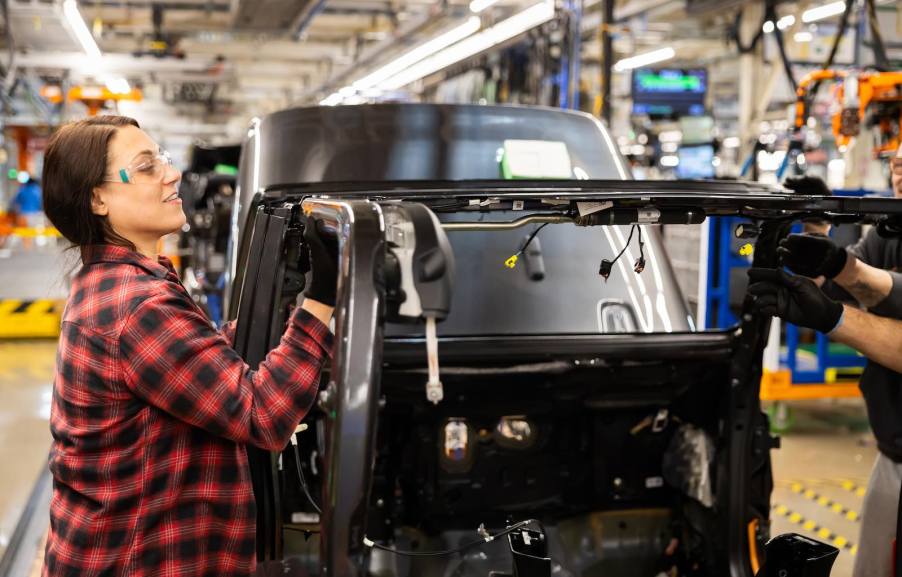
[[861, 96]]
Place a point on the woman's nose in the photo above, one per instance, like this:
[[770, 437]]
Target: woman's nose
[[171, 175]]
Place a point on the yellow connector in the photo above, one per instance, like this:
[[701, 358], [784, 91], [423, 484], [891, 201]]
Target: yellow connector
[[511, 262]]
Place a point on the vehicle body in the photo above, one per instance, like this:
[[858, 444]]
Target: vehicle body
[[592, 406], [207, 190]]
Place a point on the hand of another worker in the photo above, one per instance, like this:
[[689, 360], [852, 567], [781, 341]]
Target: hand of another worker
[[794, 299], [323, 250], [810, 185], [812, 255]]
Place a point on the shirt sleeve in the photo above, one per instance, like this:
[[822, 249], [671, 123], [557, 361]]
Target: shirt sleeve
[[867, 249], [174, 360]]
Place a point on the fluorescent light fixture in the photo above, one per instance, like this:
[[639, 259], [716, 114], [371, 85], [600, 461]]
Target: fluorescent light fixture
[[477, 6], [331, 100], [347, 91], [117, 85], [825, 11], [645, 59], [670, 136], [422, 51], [70, 9], [768, 27], [503, 31], [670, 160], [801, 37], [786, 22]]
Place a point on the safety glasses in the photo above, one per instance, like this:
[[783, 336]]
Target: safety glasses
[[145, 168]]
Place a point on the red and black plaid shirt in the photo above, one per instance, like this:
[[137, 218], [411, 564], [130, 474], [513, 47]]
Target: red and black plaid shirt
[[151, 412]]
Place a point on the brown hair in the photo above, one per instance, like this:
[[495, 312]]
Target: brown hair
[[75, 163]]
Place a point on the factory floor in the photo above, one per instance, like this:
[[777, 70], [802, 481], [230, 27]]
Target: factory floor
[[819, 473]]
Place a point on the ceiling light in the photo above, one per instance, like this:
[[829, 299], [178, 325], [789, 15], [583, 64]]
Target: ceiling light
[[70, 9], [331, 100], [117, 85], [645, 59], [477, 6], [768, 27], [786, 22], [670, 160], [731, 142], [803, 37], [670, 136], [422, 51], [825, 11], [505, 30], [347, 92]]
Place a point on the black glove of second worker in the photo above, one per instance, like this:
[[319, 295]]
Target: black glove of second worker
[[794, 299], [811, 185], [812, 255], [323, 250]]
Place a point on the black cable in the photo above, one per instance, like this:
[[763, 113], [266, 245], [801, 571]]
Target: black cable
[[771, 13], [532, 236], [629, 239], [880, 59], [460, 549], [736, 38], [297, 461]]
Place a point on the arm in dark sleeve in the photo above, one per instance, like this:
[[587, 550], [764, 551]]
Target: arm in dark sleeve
[[174, 360], [868, 249], [871, 251]]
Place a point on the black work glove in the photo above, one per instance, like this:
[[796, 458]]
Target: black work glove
[[812, 255], [811, 185], [323, 249], [794, 299]]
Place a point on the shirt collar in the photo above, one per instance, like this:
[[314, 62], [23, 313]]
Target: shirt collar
[[117, 254]]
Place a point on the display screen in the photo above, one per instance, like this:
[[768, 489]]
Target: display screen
[[669, 91], [696, 161]]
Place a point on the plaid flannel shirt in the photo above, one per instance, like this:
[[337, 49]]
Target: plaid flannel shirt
[[152, 410]]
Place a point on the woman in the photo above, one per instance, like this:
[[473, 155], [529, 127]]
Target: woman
[[152, 408]]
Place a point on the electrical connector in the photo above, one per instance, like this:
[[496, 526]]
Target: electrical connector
[[639, 265], [605, 268], [512, 261]]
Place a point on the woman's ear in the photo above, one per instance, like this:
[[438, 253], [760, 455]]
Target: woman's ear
[[98, 206]]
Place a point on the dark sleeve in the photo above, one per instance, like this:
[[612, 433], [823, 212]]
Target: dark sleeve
[[871, 250], [174, 360], [891, 306]]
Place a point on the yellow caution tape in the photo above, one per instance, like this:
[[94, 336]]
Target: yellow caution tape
[[30, 319]]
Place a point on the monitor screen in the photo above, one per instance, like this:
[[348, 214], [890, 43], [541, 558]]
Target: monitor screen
[[696, 161], [669, 91]]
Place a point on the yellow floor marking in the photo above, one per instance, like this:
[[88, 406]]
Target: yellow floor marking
[[840, 542], [851, 515], [824, 533], [809, 525]]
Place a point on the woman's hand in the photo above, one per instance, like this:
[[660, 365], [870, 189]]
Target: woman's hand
[[320, 293]]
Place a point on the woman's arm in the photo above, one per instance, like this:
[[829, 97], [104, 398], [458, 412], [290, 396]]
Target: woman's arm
[[174, 360]]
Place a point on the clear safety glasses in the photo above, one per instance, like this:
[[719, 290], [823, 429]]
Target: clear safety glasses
[[145, 168]]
